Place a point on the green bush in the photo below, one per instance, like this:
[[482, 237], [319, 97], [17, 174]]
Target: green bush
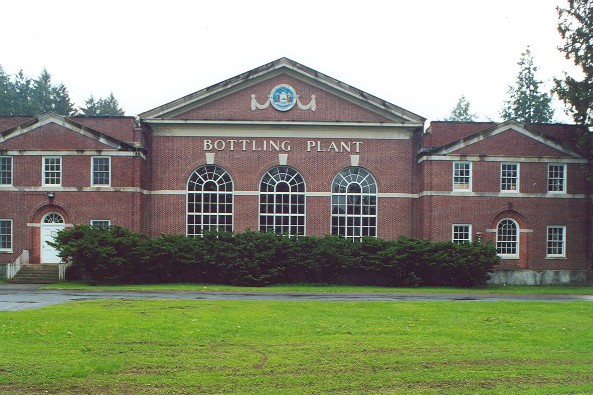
[[117, 255]]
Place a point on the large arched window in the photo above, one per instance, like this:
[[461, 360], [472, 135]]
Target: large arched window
[[209, 201], [507, 238], [354, 203], [282, 201]]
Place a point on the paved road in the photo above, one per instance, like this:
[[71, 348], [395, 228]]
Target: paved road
[[15, 297]]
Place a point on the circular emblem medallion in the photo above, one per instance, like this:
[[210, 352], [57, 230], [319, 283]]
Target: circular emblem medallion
[[283, 97]]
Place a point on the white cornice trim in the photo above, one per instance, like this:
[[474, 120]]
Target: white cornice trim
[[170, 121], [506, 195], [481, 158], [109, 152]]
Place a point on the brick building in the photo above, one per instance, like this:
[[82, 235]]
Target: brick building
[[287, 149]]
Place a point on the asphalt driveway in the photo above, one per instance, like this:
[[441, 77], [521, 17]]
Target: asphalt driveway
[[14, 297]]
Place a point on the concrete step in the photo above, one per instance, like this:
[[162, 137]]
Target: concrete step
[[37, 274]]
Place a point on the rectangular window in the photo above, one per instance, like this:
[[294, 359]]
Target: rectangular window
[[6, 235], [461, 234], [556, 246], [52, 171], [462, 176], [557, 178], [5, 170], [100, 223], [101, 171], [509, 177]]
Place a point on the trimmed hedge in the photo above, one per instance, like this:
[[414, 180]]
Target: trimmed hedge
[[117, 255]]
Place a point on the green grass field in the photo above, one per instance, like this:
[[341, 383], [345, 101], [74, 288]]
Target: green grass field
[[253, 347]]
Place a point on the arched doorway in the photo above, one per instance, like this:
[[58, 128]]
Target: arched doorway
[[51, 224]]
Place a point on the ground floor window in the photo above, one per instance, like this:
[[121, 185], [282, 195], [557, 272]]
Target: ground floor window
[[100, 223], [282, 201], [209, 201], [6, 235], [556, 242], [461, 234], [354, 204], [507, 238]]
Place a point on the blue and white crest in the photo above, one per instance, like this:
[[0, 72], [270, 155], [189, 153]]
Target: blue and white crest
[[283, 97]]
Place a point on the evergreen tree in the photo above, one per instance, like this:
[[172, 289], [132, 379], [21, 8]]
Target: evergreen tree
[[23, 104], [526, 103], [103, 107], [41, 93], [7, 94], [461, 112], [61, 101], [576, 28]]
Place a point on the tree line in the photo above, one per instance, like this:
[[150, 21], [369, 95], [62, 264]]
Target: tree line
[[526, 101], [26, 96]]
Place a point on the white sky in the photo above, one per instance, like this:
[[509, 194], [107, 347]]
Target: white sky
[[419, 55]]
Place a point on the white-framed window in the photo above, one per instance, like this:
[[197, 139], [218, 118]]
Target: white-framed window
[[354, 204], [209, 201], [5, 171], [557, 178], [52, 171], [507, 238], [100, 223], [509, 177], [556, 242], [282, 201], [100, 171], [461, 233], [462, 176], [5, 235]]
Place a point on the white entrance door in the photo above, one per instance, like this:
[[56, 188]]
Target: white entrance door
[[51, 224]]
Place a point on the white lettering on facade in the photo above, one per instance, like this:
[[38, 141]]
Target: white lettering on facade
[[282, 145]]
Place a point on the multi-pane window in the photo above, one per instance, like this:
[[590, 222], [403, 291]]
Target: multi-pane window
[[5, 170], [556, 243], [462, 176], [282, 201], [209, 201], [509, 177], [101, 171], [507, 238], [52, 171], [100, 223], [5, 235], [461, 234], [354, 204], [556, 178]]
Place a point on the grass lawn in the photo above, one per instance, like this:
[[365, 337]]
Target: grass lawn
[[254, 347], [491, 289]]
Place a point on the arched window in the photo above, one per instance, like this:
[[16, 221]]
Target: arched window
[[282, 201], [354, 203], [507, 238], [209, 201], [53, 218]]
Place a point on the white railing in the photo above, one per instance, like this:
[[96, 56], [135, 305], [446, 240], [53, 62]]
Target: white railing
[[13, 268], [62, 271]]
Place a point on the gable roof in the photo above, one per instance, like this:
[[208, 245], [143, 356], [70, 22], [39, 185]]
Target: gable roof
[[459, 135], [284, 65], [50, 117]]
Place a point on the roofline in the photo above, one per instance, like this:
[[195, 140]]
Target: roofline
[[160, 121], [277, 65]]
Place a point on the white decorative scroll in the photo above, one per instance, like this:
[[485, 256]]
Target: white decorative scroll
[[312, 105], [256, 106]]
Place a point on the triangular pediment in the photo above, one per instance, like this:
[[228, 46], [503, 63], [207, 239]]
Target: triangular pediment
[[51, 131], [312, 97], [509, 138]]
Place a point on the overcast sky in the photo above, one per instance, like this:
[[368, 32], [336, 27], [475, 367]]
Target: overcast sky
[[419, 55]]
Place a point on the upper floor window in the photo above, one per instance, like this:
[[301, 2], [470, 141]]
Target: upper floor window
[[462, 176], [354, 204], [509, 177], [507, 238], [209, 201], [556, 242], [282, 201], [6, 235], [556, 178], [52, 171], [101, 171], [5, 170], [461, 233]]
